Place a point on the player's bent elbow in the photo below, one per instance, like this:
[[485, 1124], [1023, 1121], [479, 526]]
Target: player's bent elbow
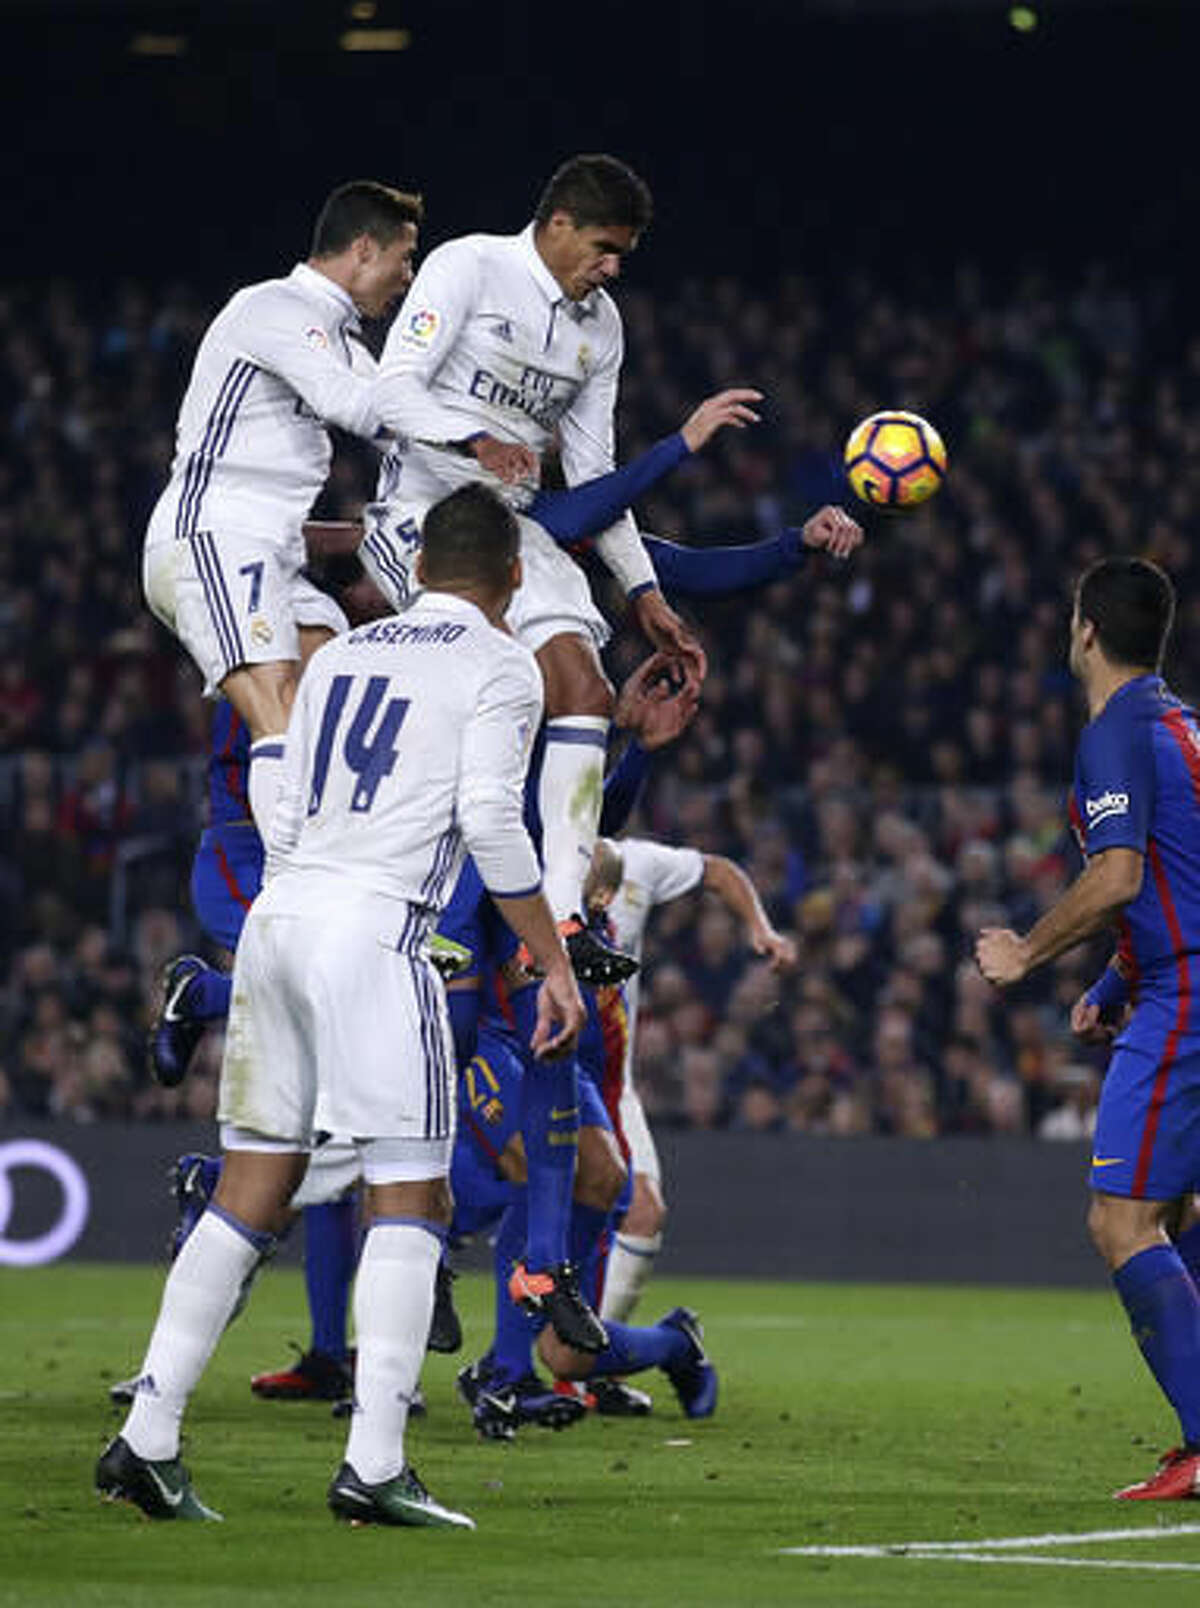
[[1123, 870]]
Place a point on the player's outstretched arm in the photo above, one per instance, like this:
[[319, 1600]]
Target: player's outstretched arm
[[738, 894], [1105, 886], [584, 511]]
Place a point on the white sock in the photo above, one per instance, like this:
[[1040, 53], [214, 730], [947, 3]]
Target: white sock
[[265, 780], [570, 793], [393, 1305], [200, 1293], [630, 1264]]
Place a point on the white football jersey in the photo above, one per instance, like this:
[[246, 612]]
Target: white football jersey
[[252, 450], [655, 874], [407, 745], [486, 341]]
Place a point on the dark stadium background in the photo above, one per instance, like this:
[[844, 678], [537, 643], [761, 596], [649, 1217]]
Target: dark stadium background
[[775, 131]]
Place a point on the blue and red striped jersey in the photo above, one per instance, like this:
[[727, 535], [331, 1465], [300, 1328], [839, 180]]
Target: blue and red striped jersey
[[228, 766], [1137, 786]]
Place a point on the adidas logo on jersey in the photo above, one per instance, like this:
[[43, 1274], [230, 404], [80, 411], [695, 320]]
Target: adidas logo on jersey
[[1105, 807]]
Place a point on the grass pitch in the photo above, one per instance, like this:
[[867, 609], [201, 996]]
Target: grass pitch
[[848, 1416]]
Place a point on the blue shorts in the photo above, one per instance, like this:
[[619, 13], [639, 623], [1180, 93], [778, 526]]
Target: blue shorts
[[1147, 1141], [226, 876], [489, 1094]]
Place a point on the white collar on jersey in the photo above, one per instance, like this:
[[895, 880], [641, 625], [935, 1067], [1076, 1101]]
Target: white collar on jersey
[[313, 279], [443, 603], [546, 282]]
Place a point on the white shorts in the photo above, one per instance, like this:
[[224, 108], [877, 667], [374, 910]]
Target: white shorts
[[332, 1029], [337, 1166], [554, 598], [233, 599], [643, 1154]]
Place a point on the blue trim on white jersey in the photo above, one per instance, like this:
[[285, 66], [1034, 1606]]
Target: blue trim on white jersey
[[216, 595], [216, 438]]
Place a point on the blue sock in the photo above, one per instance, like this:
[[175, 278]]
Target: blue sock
[[516, 1331], [550, 1129], [1188, 1247], [1164, 1314], [630, 1350], [330, 1257], [206, 997], [587, 1227]]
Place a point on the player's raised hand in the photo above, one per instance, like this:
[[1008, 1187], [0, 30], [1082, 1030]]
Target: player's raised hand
[[726, 407], [509, 461], [832, 530], [560, 1014], [668, 633], [657, 702], [1001, 957]]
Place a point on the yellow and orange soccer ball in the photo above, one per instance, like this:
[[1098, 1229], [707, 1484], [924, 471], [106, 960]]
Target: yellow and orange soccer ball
[[895, 461]]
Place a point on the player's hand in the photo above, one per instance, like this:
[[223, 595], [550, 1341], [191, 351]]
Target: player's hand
[[832, 530], [1088, 1025], [1002, 956], [727, 407], [657, 702], [776, 948], [509, 461], [560, 1014], [668, 633]]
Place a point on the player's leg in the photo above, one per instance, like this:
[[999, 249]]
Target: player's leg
[[553, 615], [142, 1464], [579, 706], [544, 1279], [226, 877], [294, 613], [327, 1201], [1186, 1236], [638, 1239], [385, 1064], [393, 1304], [1146, 1157]]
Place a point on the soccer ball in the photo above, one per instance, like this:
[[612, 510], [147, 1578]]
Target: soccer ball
[[895, 461]]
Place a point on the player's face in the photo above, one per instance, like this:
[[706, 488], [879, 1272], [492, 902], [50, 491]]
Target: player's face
[[385, 273], [584, 259]]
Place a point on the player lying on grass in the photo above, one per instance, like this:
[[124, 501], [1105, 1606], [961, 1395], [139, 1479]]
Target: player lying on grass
[[1135, 809]]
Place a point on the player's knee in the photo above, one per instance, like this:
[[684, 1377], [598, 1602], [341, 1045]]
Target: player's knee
[[647, 1214], [575, 684], [1121, 1228], [601, 1173]]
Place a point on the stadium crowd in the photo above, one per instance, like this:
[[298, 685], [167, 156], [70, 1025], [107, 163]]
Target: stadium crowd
[[884, 747]]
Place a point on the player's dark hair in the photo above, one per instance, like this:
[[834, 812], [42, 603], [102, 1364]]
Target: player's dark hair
[[1131, 603], [597, 190], [470, 538], [363, 207]]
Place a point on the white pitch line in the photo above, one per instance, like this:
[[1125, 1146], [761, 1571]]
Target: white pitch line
[[1064, 1562], [1008, 1543]]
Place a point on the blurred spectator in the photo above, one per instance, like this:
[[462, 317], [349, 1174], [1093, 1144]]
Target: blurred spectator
[[885, 746]]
